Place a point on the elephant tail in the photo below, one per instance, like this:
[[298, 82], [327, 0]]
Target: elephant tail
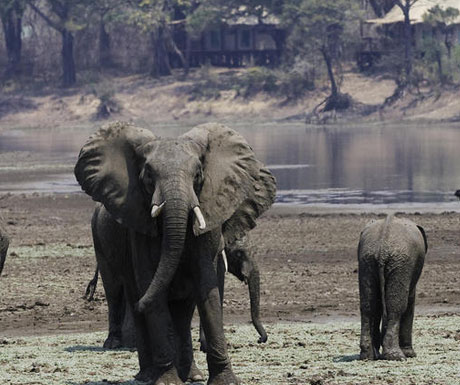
[[381, 264]]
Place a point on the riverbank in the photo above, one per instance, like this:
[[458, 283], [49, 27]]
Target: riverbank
[[308, 267], [209, 94]]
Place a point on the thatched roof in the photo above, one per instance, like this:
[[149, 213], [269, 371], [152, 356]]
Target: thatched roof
[[418, 10], [242, 16]]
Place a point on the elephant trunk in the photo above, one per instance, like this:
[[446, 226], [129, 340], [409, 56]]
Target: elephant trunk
[[175, 218], [254, 295]]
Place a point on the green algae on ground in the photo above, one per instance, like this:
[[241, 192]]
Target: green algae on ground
[[296, 353]]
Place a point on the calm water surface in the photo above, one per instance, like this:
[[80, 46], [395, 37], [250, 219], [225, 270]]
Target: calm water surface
[[330, 166]]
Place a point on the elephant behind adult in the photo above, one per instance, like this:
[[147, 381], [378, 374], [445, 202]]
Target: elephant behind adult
[[4, 243], [177, 197], [391, 254]]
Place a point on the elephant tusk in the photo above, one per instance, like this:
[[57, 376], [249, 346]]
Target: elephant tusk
[[224, 257], [156, 210], [200, 217]]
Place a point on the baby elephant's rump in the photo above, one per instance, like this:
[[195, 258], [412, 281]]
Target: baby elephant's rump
[[391, 254]]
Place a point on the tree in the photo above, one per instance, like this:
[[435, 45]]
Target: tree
[[65, 16], [322, 28], [406, 6], [441, 20], [105, 12], [11, 13]]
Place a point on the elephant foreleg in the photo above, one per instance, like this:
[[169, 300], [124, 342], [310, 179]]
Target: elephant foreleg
[[181, 314], [113, 288], [209, 307], [221, 270]]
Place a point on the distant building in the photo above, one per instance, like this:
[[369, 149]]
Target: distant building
[[380, 34], [236, 42]]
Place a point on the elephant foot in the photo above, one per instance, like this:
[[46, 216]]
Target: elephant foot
[[195, 374], [393, 355], [369, 354], [224, 376], [112, 342], [169, 377], [146, 374], [409, 352]]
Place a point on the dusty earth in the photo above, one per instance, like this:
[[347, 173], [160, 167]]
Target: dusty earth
[[50, 335], [308, 264]]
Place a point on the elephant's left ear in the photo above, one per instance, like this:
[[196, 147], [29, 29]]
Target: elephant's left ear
[[237, 188], [422, 230], [108, 169]]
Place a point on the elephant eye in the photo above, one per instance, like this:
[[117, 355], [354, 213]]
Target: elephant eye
[[198, 180]]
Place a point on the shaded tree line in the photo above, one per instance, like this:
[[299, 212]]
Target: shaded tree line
[[51, 39]]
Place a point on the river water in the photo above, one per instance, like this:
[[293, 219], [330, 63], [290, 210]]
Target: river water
[[338, 166]]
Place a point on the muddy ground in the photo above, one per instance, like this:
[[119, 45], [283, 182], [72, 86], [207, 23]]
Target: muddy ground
[[308, 264]]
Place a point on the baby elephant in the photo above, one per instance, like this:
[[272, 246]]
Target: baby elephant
[[391, 254]]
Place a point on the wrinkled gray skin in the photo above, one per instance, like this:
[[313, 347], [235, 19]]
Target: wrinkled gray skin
[[4, 243], [167, 258], [121, 327], [243, 266], [391, 254]]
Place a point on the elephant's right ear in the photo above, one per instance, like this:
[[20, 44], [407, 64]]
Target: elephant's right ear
[[424, 237], [108, 170]]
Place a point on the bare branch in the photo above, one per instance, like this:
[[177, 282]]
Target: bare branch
[[52, 23]]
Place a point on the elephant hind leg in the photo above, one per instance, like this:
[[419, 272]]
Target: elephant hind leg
[[370, 306], [396, 298], [405, 332]]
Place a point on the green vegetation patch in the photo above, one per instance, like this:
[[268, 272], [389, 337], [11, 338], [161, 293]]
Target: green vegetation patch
[[296, 353]]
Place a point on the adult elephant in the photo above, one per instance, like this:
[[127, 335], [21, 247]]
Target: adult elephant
[[239, 261], [4, 243], [391, 254], [176, 198]]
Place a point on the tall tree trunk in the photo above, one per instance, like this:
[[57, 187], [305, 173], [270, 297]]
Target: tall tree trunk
[[105, 59], [12, 28], [407, 43], [330, 72], [160, 65], [439, 61], [188, 51], [68, 63]]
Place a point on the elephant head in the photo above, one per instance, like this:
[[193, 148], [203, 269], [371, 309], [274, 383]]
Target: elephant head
[[209, 175]]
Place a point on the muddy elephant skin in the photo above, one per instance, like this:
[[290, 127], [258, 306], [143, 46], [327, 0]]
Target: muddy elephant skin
[[4, 243], [391, 255], [240, 263], [175, 199]]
